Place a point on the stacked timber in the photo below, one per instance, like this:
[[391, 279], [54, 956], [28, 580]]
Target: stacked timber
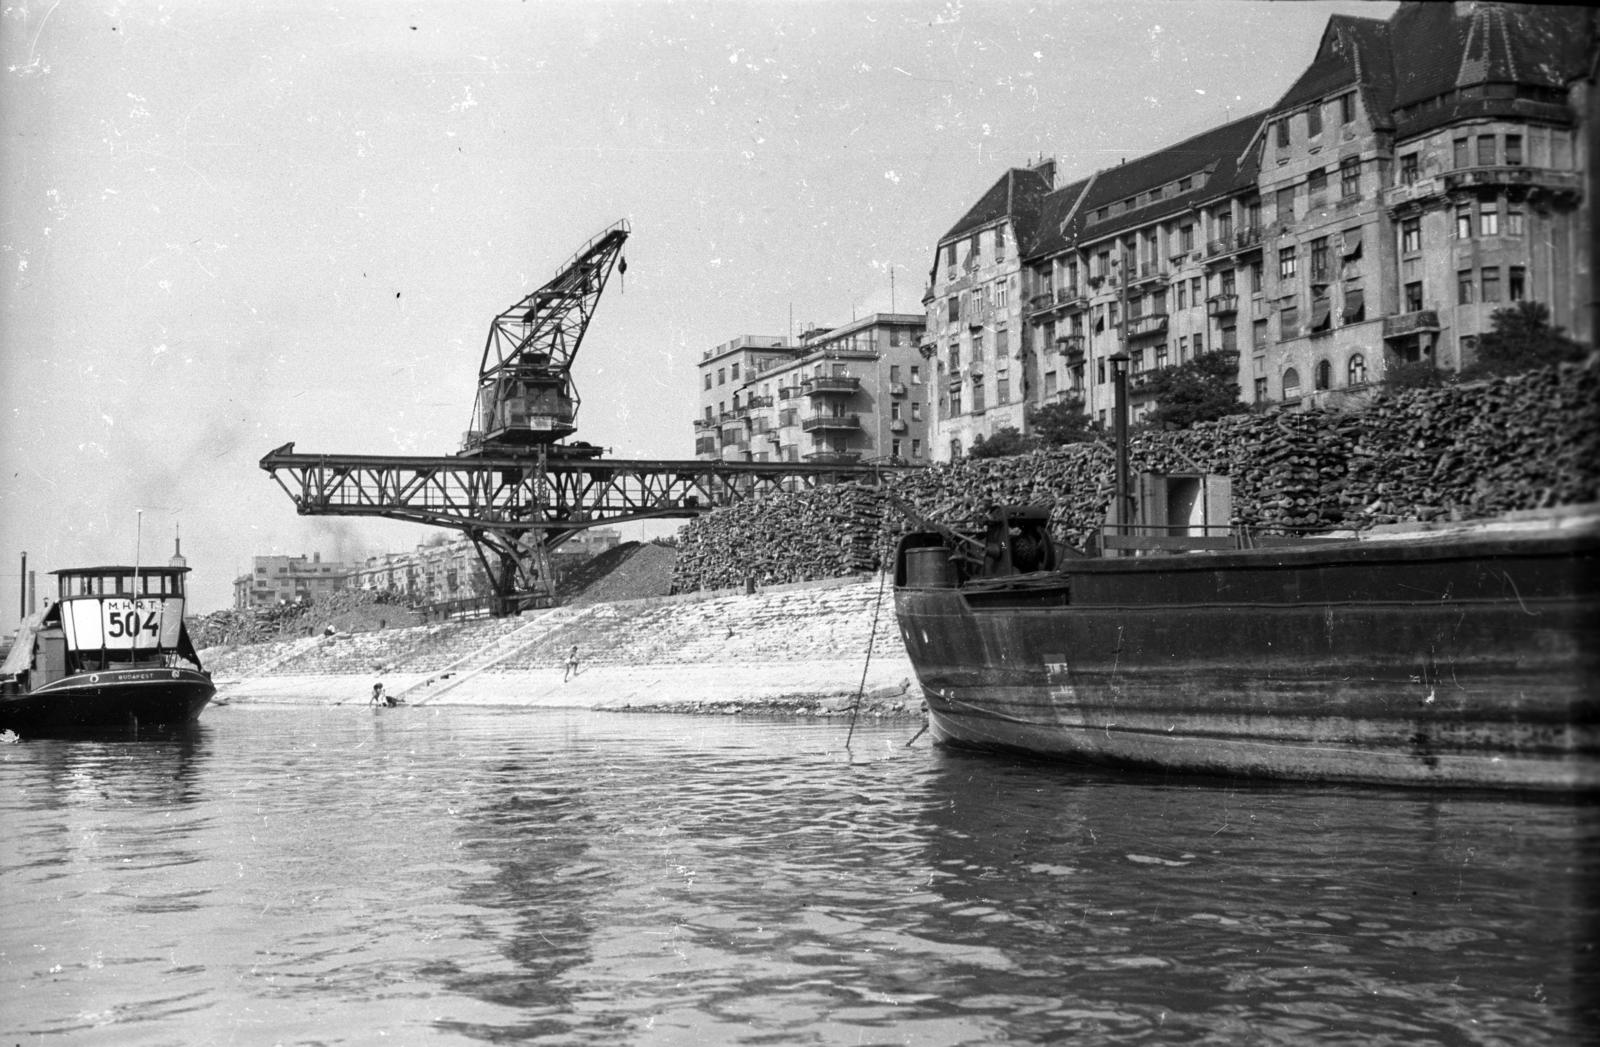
[[1458, 451]]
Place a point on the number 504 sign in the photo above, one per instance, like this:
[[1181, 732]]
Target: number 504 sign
[[125, 624]]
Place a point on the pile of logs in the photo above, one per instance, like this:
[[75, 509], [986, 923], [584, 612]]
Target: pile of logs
[[1459, 451]]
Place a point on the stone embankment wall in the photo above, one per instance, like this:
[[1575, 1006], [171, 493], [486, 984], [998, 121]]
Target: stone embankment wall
[[799, 649], [1468, 451]]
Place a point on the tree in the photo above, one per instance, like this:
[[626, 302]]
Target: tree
[[1063, 422], [1199, 390], [1412, 374], [1000, 444], [1522, 340]]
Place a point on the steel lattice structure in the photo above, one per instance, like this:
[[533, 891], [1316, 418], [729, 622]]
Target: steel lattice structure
[[514, 489], [517, 508]]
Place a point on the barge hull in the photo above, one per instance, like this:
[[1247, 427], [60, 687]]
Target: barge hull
[[1469, 665], [111, 700]]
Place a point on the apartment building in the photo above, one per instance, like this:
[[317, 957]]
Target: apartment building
[[285, 579], [1421, 173], [845, 394]]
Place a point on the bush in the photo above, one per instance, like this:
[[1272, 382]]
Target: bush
[[1412, 374], [1001, 444], [1199, 390], [1522, 340], [1061, 423]]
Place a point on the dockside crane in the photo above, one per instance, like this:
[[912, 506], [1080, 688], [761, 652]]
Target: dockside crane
[[517, 488]]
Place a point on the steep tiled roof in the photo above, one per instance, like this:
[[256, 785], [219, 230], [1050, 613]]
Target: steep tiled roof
[[1354, 52], [1224, 153], [1439, 49], [1017, 194]]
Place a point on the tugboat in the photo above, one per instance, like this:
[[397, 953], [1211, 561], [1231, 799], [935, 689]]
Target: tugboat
[[111, 652], [1467, 655]]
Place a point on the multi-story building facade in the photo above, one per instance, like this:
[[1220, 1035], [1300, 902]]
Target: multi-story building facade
[[284, 579], [852, 393], [1422, 172]]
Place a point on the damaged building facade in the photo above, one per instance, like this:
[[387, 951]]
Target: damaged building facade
[[1424, 171]]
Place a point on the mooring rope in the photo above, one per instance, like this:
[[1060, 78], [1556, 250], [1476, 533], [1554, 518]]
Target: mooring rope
[[872, 638]]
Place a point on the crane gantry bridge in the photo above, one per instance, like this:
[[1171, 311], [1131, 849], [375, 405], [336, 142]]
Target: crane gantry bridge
[[516, 488]]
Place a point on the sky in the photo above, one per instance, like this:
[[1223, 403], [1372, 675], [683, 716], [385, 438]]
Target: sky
[[226, 226]]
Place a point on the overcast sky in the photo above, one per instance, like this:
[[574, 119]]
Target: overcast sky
[[227, 226]]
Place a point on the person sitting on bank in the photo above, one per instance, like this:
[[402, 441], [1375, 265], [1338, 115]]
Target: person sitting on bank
[[378, 697], [572, 664]]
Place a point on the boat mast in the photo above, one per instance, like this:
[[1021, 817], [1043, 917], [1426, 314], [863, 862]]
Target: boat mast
[[138, 539]]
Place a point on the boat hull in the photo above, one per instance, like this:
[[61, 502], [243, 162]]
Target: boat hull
[[1469, 664], [112, 699]]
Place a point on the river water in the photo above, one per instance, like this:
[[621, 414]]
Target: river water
[[434, 875]]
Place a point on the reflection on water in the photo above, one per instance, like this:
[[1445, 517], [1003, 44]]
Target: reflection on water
[[302, 875]]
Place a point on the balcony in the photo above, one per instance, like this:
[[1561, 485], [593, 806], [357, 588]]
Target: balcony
[[788, 392], [1070, 345], [1219, 246], [759, 401], [1412, 192], [1508, 175], [1041, 301], [898, 425], [1222, 305], [1247, 238], [833, 457], [834, 384], [1147, 326], [705, 445], [831, 421], [1405, 324], [1150, 271], [705, 423], [897, 388]]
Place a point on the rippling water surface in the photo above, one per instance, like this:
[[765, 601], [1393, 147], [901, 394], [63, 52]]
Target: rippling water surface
[[454, 875]]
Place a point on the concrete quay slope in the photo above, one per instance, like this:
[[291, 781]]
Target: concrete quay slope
[[794, 649]]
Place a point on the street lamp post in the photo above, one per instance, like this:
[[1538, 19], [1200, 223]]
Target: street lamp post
[[1119, 378]]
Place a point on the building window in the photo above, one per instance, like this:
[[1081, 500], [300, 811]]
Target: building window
[[955, 308], [1049, 383], [999, 242], [1100, 371], [916, 410], [1514, 223], [894, 373], [708, 379], [894, 448], [1002, 389], [1464, 287], [977, 346], [733, 373], [1469, 347], [1322, 377], [894, 411], [1291, 384], [1463, 221], [1283, 134], [950, 263], [1491, 283], [1286, 204], [1486, 151], [1258, 282], [1408, 169], [722, 376], [955, 357], [955, 403], [1314, 121], [1347, 107], [1414, 296], [1489, 218], [1350, 178], [1186, 238], [955, 449], [1517, 287], [1258, 335], [1319, 260], [916, 448], [1181, 288], [1002, 343], [1230, 340], [1356, 371], [708, 414], [916, 374], [1161, 355], [1514, 150], [1288, 323], [1461, 159], [1286, 263], [1261, 390], [1411, 235], [1317, 183]]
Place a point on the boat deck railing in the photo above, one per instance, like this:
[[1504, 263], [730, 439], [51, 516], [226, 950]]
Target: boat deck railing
[[1117, 539]]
